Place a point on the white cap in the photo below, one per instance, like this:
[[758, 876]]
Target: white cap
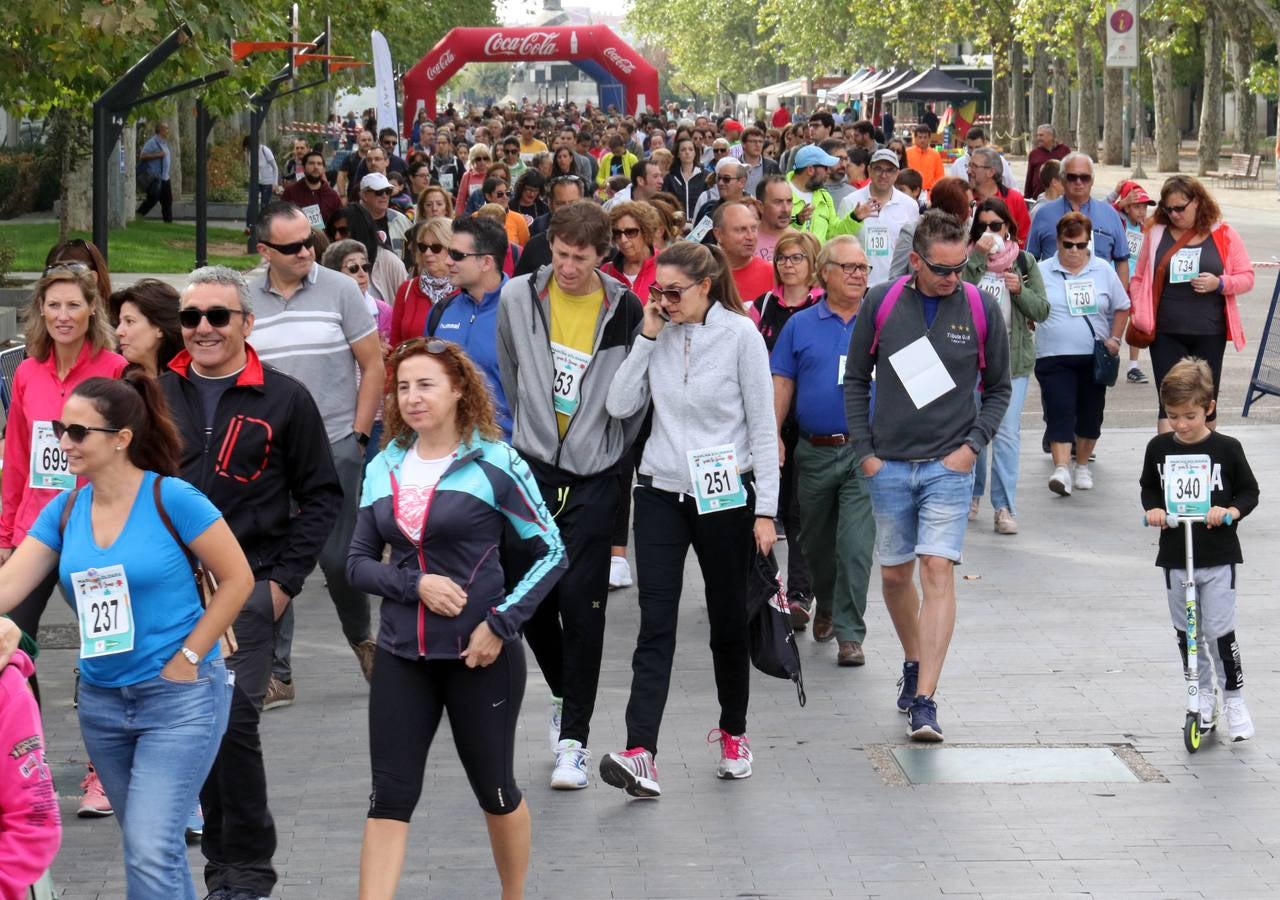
[[375, 181]]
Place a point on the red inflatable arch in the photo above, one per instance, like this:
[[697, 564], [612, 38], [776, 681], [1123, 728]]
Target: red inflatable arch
[[565, 43]]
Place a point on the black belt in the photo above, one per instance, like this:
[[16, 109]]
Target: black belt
[[826, 440]]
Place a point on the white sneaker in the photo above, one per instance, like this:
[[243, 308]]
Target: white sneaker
[[619, 573], [570, 773], [1208, 712], [735, 754], [1082, 479], [557, 710], [1060, 481], [1238, 719]]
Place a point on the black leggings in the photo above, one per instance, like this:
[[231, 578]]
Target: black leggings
[[1167, 350], [407, 699]]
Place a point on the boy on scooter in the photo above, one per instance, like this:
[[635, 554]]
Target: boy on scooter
[[1187, 394]]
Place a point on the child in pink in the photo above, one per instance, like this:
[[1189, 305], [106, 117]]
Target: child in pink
[[30, 828]]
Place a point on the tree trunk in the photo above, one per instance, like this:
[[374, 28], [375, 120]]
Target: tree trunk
[[1000, 120], [1018, 98], [1240, 31], [1087, 114], [1112, 107], [1210, 144], [1061, 115], [1269, 14], [1039, 94], [1167, 137]]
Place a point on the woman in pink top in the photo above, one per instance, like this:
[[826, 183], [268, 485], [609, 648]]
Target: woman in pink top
[[68, 338]]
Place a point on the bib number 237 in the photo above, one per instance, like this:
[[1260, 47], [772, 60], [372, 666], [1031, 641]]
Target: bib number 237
[[104, 611]]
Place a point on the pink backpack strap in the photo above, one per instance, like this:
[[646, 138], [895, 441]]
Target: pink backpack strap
[[886, 306], [979, 322]]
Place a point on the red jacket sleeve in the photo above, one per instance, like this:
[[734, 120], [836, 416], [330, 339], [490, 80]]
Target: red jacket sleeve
[[30, 828]]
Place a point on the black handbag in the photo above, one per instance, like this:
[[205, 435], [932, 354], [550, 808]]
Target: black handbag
[[1106, 368], [772, 643]]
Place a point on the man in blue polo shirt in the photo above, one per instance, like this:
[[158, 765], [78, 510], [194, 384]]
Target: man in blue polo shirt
[[837, 528], [470, 317], [1110, 243]]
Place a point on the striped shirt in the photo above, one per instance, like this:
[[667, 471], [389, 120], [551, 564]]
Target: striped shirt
[[309, 336]]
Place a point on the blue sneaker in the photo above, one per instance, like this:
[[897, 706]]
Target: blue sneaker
[[907, 685], [922, 720]]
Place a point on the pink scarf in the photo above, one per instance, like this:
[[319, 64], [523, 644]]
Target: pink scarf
[[1004, 259]]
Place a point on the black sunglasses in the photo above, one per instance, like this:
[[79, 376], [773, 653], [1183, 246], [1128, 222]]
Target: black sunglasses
[[993, 226], [434, 248], [671, 295], [628, 233], [460, 255], [1178, 209], [218, 316], [350, 270], [1075, 245], [78, 433], [1084, 178], [943, 271], [294, 248]]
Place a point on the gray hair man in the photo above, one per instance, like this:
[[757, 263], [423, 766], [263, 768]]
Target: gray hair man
[[1047, 147]]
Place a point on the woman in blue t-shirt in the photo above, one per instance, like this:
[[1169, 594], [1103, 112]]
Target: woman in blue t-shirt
[[153, 690]]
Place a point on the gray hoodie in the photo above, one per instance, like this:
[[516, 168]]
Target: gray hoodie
[[710, 385]]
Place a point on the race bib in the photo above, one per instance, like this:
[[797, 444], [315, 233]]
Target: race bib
[[446, 181], [569, 366], [716, 485], [841, 362], [875, 240], [312, 213], [1082, 297], [1185, 265], [49, 466], [103, 610], [1187, 484], [700, 230], [1135, 241]]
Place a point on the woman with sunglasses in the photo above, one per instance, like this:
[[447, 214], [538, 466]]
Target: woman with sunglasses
[[428, 282], [387, 272], [69, 340], [635, 229], [1191, 268], [478, 159], [708, 478], [154, 696], [687, 180], [526, 198], [1087, 303], [443, 494], [1011, 276], [145, 316]]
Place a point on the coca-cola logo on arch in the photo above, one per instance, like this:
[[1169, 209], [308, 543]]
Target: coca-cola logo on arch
[[538, 43], [624, 65], [436, 68]]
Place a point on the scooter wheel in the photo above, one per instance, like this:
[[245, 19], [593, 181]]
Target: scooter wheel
[[1191, 733]]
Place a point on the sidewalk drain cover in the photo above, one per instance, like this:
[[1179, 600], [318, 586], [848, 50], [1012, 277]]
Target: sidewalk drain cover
[[1027, 764]]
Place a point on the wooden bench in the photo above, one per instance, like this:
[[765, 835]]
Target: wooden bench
[[1239, 171]]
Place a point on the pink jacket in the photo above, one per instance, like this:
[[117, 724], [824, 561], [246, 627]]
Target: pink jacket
[[30, 828], [1237, 278], [38, 396]]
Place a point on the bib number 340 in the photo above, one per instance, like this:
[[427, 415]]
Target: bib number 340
[[1187, 484]]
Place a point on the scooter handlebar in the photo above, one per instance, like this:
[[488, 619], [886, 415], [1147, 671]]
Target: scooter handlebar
[[1173, 521]]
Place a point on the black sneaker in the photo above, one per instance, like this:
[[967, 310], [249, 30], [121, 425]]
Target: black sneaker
[[801, 605], [1135, 376], [922, 720], [907, 685]]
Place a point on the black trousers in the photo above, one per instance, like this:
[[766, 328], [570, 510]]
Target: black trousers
[[158, 192], [666, 526], [797, 568], [239, 831], [566, 632], [1167, 350]]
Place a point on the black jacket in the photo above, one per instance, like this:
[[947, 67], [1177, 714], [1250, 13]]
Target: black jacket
[[268, 452], [687, 192]]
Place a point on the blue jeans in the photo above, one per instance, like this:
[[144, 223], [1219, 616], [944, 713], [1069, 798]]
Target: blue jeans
[[921, 509], [1002, 453], [152, 744]]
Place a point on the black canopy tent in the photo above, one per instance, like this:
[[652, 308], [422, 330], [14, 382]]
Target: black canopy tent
[[934, 84]]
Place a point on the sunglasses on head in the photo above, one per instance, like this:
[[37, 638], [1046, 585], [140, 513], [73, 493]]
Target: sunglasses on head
[[78, 433], [434, 346], [353, 268], [1075, 245], [993, 226], [628, 233], [68, 266], [1078, 177], [943, 271], [296, 247], [218, 316], [433, 248], [1178, 209]]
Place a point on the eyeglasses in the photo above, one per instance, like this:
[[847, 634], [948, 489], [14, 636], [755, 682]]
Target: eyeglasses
[[78, 433], [718, 150], [296, 247], [431, 248], [460, 255], [728, 179], [351, 270], [852, 268], [388, 143], [993, 226], [943, 271], [501, 193], [218, 316], [883, 170], [385, 192], [510, 150], [628, 233], [1075, 245], [791, 259], [1178, 209], [1078, 177], [671, 294], [481, 158]]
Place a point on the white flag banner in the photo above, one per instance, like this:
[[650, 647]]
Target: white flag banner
[[384, 82], [1122, 35]]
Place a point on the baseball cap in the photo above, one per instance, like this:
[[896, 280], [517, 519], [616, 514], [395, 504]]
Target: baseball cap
[[1137, 193], [813, 155], [730, 125], [886, 155], [374, 181]]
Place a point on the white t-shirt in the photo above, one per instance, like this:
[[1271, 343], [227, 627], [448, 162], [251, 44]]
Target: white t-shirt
[[418, 479], [879, 233]]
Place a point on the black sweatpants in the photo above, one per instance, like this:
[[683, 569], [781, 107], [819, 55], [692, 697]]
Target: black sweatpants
[[566, 631], [406, 701], [798, 581], [666, 526], [1167, 350]]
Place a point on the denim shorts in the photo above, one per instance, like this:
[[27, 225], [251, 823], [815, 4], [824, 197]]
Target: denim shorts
[[921, 509]]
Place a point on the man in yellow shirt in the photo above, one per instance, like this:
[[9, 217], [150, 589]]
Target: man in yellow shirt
[[529, 143], [923, 158]]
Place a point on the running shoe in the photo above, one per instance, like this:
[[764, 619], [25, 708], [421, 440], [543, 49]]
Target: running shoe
[[1081, 478], [570, 773], [1135, 376], [907, 685], [93, 802], [279, 693], [557, 711], [633, 771], [800, 605], [619, 573], [1005, 522], [1238, 720], [922, 720], [1060, 481], [735, 754]]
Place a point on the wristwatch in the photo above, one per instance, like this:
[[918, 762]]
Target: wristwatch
[[190, 655], [361, 438]]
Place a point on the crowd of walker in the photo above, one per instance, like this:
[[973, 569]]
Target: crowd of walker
[[468, 413]]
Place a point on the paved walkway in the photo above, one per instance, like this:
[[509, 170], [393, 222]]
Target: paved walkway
[[1063, 637]]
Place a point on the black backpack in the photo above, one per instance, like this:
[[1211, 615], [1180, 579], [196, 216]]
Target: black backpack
[[771, 641]]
